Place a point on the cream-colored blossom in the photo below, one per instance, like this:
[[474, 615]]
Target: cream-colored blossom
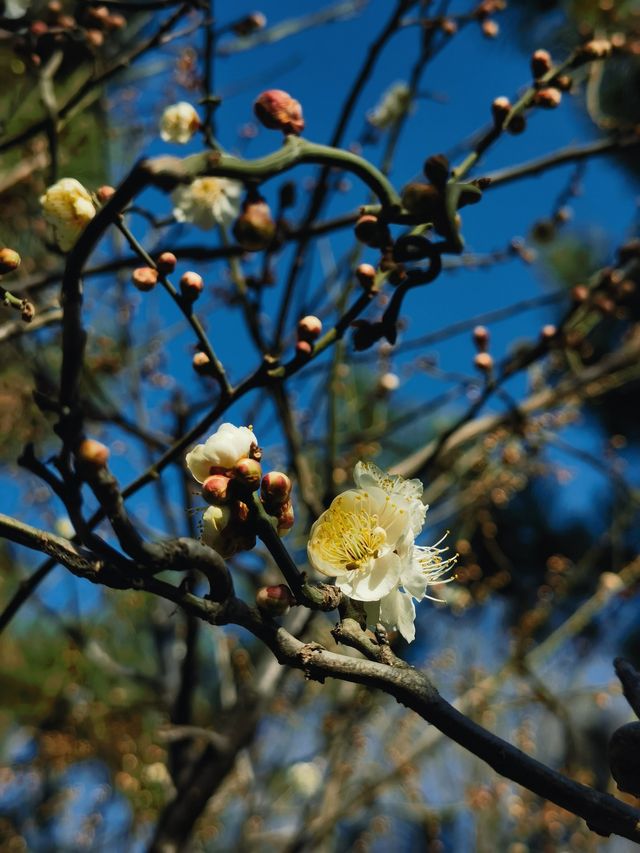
[[221, 451], [179, 122], [214, 524], [207, 202], [366, 474], [68, 206], [393, 105]]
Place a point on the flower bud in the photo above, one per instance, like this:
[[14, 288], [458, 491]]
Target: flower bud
[[249, 472], [94, 37], [500, 109], [449, 26], [366, 275], [563, 83], [579, 293], [275, 489], [422, 200], [624, 758], [540, 63], [373, 233], [596, 49], [304, 349], [548, 332], [9, 261], [490, 28], [309, 328], [277, 110], [38, 28], [215, 489], [201, 364], [548, 98], [250, 24], [517, 125], [166, 263], [275, 600], [92, 453], [388, 382], [191, 286], [483, 362], [144, 278], [286, 518], [436, 170], [255, 229], [115, 22], [104, 193], [481, 338]]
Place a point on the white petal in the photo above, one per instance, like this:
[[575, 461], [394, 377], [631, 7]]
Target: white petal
[[198, 462], [397, 611], [374, 583]]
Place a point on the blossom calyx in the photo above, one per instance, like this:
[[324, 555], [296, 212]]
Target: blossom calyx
[[275, 600], [9, 261], [255, 228], [179, 122], [277, 110]]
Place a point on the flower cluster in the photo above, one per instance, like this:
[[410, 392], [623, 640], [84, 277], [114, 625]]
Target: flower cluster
[[366, 541], [228, 468], [68, 206], [207, 202]]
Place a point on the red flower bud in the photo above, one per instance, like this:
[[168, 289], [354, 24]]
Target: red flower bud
[[191, 286], [370, 231], [215, 489], [286, 518], [201, 363], [248, 471], [275, 600], [517, 125], [304, 349], [145, 278], [483, 362], [250, 24], [166, 263], [548, 99], [104, 193], [275, 488], [277, 110]]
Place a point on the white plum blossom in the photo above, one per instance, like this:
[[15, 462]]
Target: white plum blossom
[[393, 105], [179, 122], [68, 206], [215, 521], [366, 541], [207, 202], [221, 451]]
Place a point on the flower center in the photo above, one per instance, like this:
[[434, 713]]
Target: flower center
[[349, 539], [206, 190]]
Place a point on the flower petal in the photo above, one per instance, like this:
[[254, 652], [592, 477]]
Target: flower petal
[[374, 583]]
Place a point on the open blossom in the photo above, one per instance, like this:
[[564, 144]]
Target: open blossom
[[179, 122], [68, 206], [366, 541], [207, 202], [221, 451]]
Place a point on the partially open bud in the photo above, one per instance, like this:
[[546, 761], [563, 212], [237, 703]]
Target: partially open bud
[[422, 200], [500, 109], [249, 472], [277, 110], [275, 489], [9, 261], [540, 63], [179, 122], [255, 229], [275, 600], [191, 286], [548, 98], [366, 275], [309, 328], [202, 364], [373, 233], [104, 193], [481, 338], [624, 758], [483, 362], [93, 453], [166, 263], [215, 489], [144, 278], [250, 24]]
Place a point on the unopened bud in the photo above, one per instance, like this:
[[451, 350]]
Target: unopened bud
[[27, 311], [115, 22], [166, 262], [422, 200], [94, 37], [373, 233], [275, 600], [596, 49], [38, 28], [93, 453], [449, 26], [304, 348], [104, 193], [366, 275], [248, 471], [191, 286], [517, 125], [201, 363], [579, 293], [9, 261], [548, 332], [275, 488], [490, 28], [215, 489], [436, 170], [286, 518], [277, 110], [548, 98], [483, 362], [145, 278], [540, 63], [388, 382], [250, 24], [481, 338], [563, 82], [255, 229], [309, 328]]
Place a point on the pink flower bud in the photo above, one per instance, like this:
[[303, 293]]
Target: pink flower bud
[[9, 261], [215, 489], [38, 28], [104, 193], [490, 28], [366, 275], [484, 362], [166, 263], [145, 278], [201, 363], [249, 472], [304, 349], [275, 489], [94, 37], [540, 63], [500, 109], [115, 22], [255, 229], [548, 99], [548, 332], [481, 338], [191, 286], [286, 518], [92, 453], [309, 328], [277, 110], [275, 600], [250, 24]]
